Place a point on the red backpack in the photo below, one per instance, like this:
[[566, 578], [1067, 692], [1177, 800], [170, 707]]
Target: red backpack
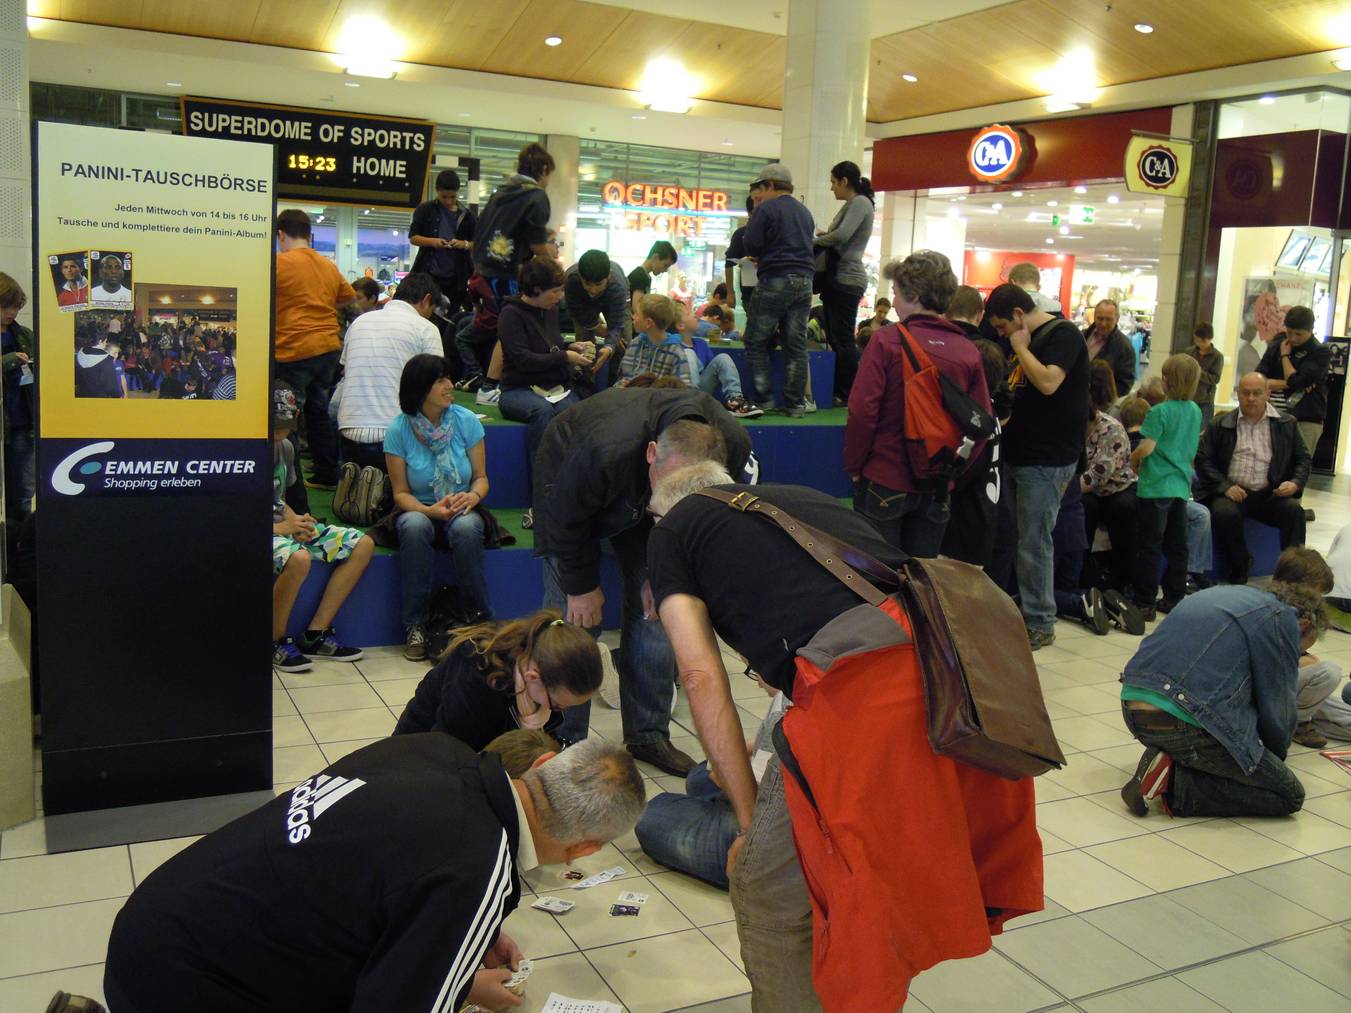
[[941, 425]]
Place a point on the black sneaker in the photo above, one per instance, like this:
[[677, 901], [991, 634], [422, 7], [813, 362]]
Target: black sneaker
[[1148, 613], [314, 482], [415, 644], [1165, 605], [470, 383], [327, 647], [664, 756], [1198, 582], [1122, 614], [1095, 615], [286, 657]]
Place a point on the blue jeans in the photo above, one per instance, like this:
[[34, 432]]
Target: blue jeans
[[1200, 551], [646, 661], [720, 378], [693, 832], [1206, 780], [21, 483], [521, 404], [1037, 490], [313, 381], [783, 302], [419, 537], [914, 522]]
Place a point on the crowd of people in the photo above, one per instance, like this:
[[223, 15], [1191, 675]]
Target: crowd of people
[[989, 430]]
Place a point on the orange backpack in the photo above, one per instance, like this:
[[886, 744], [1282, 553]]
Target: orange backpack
[[941, 425]]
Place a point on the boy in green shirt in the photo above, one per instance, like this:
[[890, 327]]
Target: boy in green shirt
[[1164, 457]]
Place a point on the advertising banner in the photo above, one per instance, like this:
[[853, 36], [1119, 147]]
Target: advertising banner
[[154, 273], [1160, 166]]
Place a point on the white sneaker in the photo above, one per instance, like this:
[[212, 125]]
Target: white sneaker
[[488, 396], [810, 405], [609, 682]]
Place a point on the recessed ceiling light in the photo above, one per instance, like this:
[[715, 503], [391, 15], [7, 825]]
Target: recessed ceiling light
[[1267, 100], [1052, 203], [1050, 241], [909, 78], [727, 142], [173, 84], [1017, 193], [352, 84], [639, 116], [1064, 230], [1081, 189], [1113, 199], [465, 116], [1342, 63], [962, 197], [366, 212], [997, 206], [1144, 28], [553, 40]]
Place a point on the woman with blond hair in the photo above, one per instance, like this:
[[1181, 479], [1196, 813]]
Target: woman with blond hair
[[496, 676]]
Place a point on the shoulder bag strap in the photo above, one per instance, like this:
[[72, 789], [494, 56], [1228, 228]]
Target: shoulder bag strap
[[851, 566]]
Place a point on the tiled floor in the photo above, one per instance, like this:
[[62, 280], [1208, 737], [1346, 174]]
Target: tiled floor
[[1141, 915]]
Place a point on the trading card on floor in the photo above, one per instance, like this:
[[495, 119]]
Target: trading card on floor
[[627, 910], [629, 897], [554, 905], [572, 875]]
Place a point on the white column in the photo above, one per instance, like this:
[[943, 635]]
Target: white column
[[903, 225], [1170, 262], [825, 98], [345, 251], [567, 152], [16, 203]]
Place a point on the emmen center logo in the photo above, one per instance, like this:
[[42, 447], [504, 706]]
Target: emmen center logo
[[133, 472]]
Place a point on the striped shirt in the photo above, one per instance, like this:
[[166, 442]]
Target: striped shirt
[[377, 347], [1250, 467]]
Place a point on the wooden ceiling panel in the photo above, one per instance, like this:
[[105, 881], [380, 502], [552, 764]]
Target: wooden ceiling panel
[[584, 28], [638, 39], [296, 24], [468, 31]]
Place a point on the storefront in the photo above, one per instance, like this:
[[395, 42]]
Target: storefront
[[1053, 193]]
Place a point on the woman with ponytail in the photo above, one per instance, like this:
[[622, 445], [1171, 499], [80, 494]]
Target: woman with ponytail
[[498, 676], [842, 292]]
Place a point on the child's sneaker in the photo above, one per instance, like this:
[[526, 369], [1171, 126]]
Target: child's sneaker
[[744, 409], [327, 647], [415, 644], [488, 397], [286, 657]]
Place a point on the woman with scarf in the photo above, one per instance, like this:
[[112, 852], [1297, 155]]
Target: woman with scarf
[[495, 677], [438, 470]]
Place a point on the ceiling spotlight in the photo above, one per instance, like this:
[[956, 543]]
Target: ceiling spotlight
[[1017, 193], [366, 212], [639, 116], [553, 40], [1342, 63], [1050, 241], [1267, 100], [997, 206], [962, 197], [352, 84], [727, 142], [173, 84], [381, 69], [1064, 230], [1113, 199], [1052, 203], [909, 78], [1144, 28], [1081, 189]]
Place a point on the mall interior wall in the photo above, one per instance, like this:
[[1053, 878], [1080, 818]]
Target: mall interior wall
[[16, 201]]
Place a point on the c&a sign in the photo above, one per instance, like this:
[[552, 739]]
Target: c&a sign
[[1160, 167], [999, 153], [672, 210]]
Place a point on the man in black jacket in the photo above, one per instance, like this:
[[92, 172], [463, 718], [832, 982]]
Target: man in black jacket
[[380, 884], [443, 232], [593, 474], [1252, 462], [1105, 341], [1296, 368]]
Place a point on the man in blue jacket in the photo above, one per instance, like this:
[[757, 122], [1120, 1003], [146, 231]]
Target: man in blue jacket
[[1211, 695]]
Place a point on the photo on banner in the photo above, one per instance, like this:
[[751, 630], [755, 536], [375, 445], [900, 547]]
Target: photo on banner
[[161, 284]]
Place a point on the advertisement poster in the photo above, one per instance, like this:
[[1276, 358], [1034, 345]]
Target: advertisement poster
[[155, 305]]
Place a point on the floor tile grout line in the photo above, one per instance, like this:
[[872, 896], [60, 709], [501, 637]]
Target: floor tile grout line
[[1251, 948], [1031, 974], [55, 970], [68, 903]]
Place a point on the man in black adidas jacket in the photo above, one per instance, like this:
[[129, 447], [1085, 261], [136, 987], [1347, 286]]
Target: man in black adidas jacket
[[380, 884], [593, 474]]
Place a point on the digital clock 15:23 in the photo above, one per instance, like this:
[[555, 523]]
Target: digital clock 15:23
[[315, 163]]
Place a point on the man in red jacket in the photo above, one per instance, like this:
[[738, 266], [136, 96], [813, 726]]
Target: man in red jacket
[[911, 513]]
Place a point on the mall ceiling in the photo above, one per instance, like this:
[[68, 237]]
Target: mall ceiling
[[963, 53]]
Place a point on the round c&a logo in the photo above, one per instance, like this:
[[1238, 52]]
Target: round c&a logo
[[1158, 166], [61, 477], [996, 153]]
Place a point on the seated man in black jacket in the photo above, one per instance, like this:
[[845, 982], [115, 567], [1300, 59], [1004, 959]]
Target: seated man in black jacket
[[593, 474], [380, 884], [1252, 462], [1296, 368]]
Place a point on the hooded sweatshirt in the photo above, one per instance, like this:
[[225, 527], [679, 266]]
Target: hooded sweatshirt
[[95, 374], [516, 218]]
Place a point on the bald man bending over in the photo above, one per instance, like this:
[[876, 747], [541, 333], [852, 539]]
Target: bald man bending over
[[1252, 463]]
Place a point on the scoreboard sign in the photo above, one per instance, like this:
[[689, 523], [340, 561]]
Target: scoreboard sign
[[323, 156]]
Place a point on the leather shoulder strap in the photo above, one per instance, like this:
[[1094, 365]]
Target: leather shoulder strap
[[847, 563]]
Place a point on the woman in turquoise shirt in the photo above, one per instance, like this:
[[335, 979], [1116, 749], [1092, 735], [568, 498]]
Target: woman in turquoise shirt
[[438, 471]]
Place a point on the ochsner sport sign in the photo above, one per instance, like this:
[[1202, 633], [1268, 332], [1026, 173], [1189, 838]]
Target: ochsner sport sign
[[998, 153]]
